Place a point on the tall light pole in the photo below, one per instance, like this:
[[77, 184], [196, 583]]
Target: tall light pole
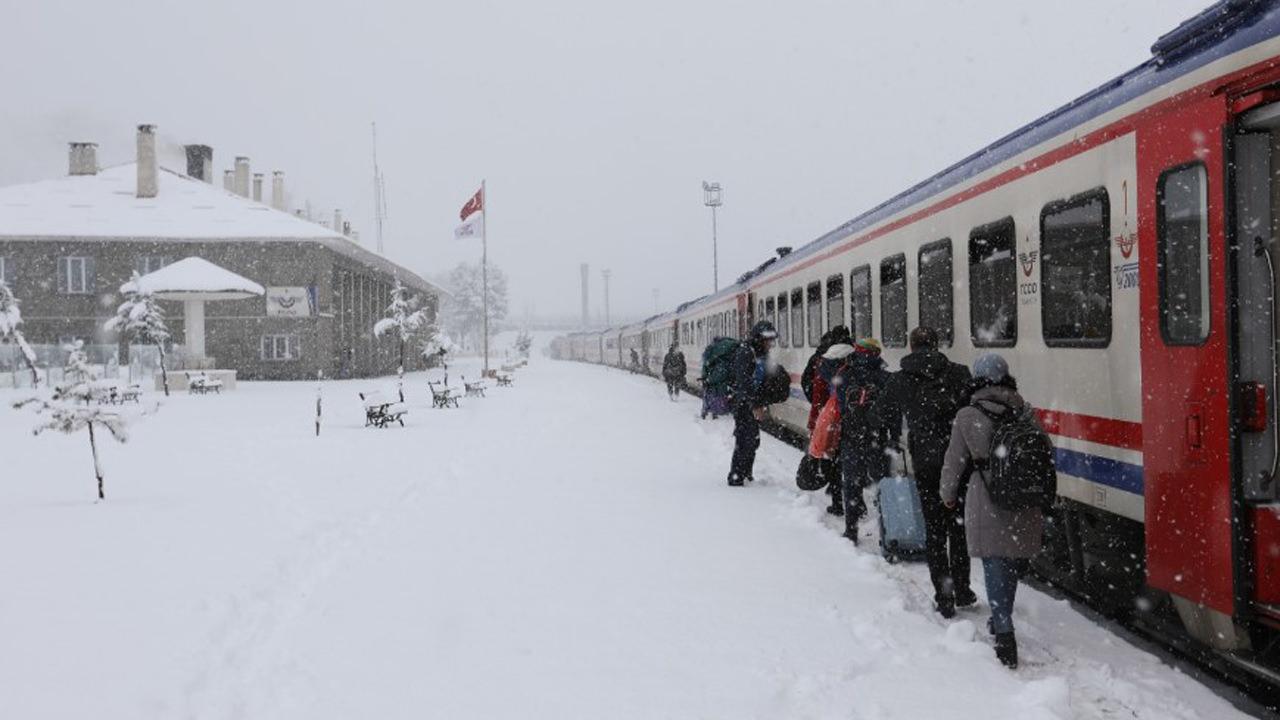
[[606, 273], [712, 199]]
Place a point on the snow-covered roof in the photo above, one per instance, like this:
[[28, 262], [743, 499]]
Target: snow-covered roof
[[105, 206], [194, 277]]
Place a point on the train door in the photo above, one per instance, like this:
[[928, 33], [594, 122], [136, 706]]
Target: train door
[[1183, 338], [1255, 253]]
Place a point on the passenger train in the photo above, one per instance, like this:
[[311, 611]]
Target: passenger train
[[1120, 252]]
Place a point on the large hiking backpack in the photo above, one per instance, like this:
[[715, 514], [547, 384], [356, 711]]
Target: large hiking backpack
[[777, 385], [1019, 469], [856, 420], [717, 364]]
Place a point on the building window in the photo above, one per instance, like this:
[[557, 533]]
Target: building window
[[1075, 271], [993, 285], [281, 347], [784, 337], [797, 318], [835, 301], [860, 299], [813, 303], [893, 301], [76, 275], [1182, 254], [149, 263], [936, 290], [6, 270]]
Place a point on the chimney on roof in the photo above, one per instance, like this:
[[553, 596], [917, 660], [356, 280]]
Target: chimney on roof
[[200, 162], [242, 176], [277, 190], [257, 187], [337, 221], [148, 182], [229, 180], [84, 158], [346, 228]]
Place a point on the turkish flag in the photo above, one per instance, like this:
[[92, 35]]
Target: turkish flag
[[474, 205]]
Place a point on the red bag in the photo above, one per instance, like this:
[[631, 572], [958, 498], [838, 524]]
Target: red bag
[[824, 441]]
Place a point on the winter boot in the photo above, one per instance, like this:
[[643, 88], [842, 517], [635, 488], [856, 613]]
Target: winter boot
[[966, 598], [945, 605], [1007, 650], [735, 481], [836, 509]]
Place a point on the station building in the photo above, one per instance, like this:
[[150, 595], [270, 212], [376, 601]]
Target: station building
[[68, 244]]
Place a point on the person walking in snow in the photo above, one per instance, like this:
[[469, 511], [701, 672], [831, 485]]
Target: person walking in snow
[[929, 390], [674, 370], [830, 355], [864, 436], [747, 400], [635, 361], [1004, 539]]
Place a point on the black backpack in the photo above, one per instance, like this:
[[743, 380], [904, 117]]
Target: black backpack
[[777, 385], [1019, 468], [856, 417]]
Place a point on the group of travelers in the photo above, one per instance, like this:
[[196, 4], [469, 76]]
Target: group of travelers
[[982, 466]]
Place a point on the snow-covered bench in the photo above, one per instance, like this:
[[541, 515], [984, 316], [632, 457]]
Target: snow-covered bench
[[474, 389], [203, 384], [113, 393], [442, 396], [379, 411], [505, 379]]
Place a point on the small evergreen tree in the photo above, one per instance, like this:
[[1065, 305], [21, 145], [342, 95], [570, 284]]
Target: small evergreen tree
[[404, 318], [141, 318], [10, 320], [71, 409]]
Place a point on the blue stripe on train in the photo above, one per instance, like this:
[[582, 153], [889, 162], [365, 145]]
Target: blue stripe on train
[[1104, 471]]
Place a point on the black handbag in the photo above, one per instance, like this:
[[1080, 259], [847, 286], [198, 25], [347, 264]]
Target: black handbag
[[815, 473]]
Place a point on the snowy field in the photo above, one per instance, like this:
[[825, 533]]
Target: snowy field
[[565, 548]]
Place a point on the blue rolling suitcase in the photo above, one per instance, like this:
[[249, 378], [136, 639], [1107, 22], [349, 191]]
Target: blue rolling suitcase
[[902, 528]]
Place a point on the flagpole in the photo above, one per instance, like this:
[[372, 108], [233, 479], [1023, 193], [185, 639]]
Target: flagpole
[[484, 268]]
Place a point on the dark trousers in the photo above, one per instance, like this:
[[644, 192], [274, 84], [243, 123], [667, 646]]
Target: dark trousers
[[945, 548], [673, 388], [746, 436], [856, 472]]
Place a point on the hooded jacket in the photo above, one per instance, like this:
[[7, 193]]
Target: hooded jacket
[[858, 370], [928, 390], [991, 530], [673, 366]]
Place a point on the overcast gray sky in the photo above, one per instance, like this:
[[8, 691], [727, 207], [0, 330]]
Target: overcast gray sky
[[594, 122]]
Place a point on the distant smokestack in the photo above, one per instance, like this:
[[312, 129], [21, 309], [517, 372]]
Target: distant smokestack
[[586, 307], [277, 190], [242, 176], [84, 158], [346, 228], [229, 180], [257, 187], [337, 221], [148, 183], [200, 162]]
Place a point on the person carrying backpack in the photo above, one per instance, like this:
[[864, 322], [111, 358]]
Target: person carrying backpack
[[928, 391], [717, 371], [635, 361], [997, 442], [748, 398], [827, 366], [673, 370], [864, 436]]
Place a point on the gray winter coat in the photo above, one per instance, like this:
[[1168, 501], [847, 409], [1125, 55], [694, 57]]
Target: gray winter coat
[[990, 530]]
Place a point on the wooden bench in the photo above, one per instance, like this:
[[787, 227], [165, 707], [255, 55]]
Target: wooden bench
[[203, 384], [474, 389], [379, 411], [442, 396], [505, 379], [111, 393]]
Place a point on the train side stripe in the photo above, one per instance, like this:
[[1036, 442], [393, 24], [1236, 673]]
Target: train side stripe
[[1091, 428], [1104, 471]]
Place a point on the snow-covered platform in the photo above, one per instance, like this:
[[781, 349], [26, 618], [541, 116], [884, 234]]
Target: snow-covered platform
[[564, 548]]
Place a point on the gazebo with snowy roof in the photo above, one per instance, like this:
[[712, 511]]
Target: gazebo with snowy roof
[[194, 281]]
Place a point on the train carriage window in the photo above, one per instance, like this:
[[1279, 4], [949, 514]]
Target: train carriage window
[[835, 301], [860, 299], [937, 309], [1075, 271], [813, 304], [769, 312], [993, 285], [784, 336], [1182, 254], [797, 318], [893, 301]]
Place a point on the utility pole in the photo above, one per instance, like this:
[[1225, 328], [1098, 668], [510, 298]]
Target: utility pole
[[586, 304], [711, 197], [379, 193], [606, 273]]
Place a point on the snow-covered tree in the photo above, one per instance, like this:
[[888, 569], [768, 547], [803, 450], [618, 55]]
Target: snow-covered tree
[[465, 310], [141, 318], [72, 409], [405, 318], [524, 343], [10, 320]]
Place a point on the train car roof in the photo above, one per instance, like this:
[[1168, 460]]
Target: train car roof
[[1223, 28]]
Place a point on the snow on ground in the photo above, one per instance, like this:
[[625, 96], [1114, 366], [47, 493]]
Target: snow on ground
[[565, 548]]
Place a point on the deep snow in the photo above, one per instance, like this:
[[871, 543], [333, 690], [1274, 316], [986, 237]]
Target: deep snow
[[565, 548]]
